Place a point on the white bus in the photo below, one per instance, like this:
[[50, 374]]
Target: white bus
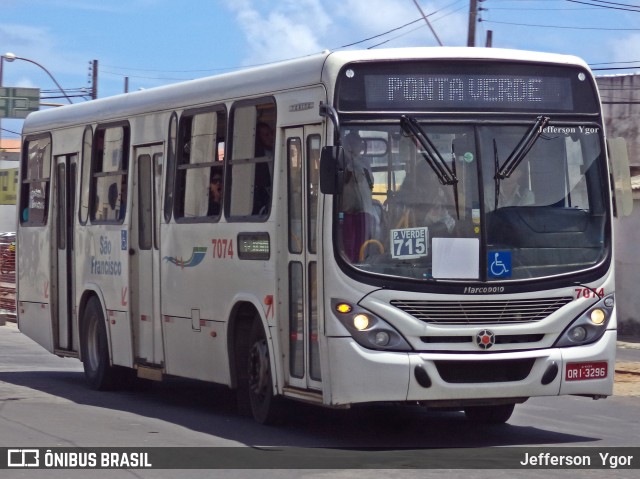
[[427, 226]]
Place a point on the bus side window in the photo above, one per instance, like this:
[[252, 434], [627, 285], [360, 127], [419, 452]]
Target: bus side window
[[85, 178], [109, 174], [36, 176], [201, 160], [252, 159], [172, 151]]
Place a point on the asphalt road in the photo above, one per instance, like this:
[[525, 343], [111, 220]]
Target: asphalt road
[[44, 403]]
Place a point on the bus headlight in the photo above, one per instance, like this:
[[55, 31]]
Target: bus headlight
[[598, 316], [589, 326], [361, 321], [367, 329]]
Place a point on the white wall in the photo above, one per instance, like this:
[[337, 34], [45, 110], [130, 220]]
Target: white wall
[[621, 100], [7, 218]]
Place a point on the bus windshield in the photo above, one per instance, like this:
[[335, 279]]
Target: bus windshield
[[461, 211]]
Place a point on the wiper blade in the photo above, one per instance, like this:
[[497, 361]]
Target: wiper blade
[[521, 150], [430, 153]]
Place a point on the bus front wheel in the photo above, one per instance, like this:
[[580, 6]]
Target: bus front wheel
[[95, 348], [265, 406]]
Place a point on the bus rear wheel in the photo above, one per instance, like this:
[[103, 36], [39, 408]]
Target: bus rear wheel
[[95, 348], [498, 414], [265, 406]]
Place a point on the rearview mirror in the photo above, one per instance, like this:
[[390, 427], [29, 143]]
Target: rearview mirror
[[331, 170]]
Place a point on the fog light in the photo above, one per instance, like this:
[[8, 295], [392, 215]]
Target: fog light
[[382, 338], [577, 334], [361, 322], [597, 316], [343, 308]]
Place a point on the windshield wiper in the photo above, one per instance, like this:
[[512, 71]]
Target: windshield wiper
[[430, 153], [521, 150]]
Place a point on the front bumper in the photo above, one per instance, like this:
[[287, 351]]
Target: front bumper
[[359, 375]]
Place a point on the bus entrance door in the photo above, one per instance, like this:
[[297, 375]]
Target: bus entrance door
[[302, 156], [144, 248], [65, 277]]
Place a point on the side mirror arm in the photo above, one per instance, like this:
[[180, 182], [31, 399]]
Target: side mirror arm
[[330, 112]]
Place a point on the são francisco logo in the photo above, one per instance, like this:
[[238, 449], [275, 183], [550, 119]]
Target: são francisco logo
[[197, 255]]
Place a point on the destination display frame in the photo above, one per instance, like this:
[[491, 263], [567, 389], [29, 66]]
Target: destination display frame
[[451, 86]]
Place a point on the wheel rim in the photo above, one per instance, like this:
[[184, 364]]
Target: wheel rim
[[259, 374]]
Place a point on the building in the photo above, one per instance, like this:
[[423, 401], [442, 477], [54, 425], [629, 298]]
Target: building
[[621, 100], [9, 162]]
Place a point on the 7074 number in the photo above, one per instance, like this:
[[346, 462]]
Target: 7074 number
[[589, 293], [222, 248]]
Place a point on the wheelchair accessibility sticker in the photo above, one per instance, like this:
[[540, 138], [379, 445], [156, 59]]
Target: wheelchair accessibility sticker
[[499, 264]]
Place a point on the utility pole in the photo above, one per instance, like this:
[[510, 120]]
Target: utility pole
[[473, 12], [489, 42], [94, 79]]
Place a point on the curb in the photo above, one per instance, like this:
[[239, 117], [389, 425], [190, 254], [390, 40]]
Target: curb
[[628, 345], [628, 368]]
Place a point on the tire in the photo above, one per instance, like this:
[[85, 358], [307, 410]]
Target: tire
[[264, 405], [98, 372], [498, 414]]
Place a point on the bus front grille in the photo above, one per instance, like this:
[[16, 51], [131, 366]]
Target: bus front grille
[[482, 312]]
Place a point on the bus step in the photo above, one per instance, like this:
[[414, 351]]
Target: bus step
[[303, 395], [146, 372], [64, 353]]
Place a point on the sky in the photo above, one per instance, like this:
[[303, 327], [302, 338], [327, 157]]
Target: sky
[[157, 42]]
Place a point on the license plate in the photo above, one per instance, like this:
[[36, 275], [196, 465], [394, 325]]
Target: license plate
[[586, 371]]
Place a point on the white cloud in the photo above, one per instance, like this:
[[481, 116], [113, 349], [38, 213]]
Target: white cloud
[[623, 49], [26, 36], [36, 44], [283, 29]]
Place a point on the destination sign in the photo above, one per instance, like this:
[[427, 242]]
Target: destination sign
[[460, 86], [467, 91]]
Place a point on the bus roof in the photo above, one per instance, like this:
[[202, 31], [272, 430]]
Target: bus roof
[[257, 81]]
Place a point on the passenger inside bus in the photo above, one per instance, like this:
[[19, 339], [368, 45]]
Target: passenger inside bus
[[264, 169], [215, 194], [357, 203], [513, 191], [423, 201], [264, 140]]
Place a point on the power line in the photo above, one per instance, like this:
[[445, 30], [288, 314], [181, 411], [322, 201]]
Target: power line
[[620, 7], [562, 27], [10, 131], [249, 66], [223, 69], [615, 3], [616, 68], [421, 26], [614, 63], [426, 19], [379, 35], [246, 66]]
